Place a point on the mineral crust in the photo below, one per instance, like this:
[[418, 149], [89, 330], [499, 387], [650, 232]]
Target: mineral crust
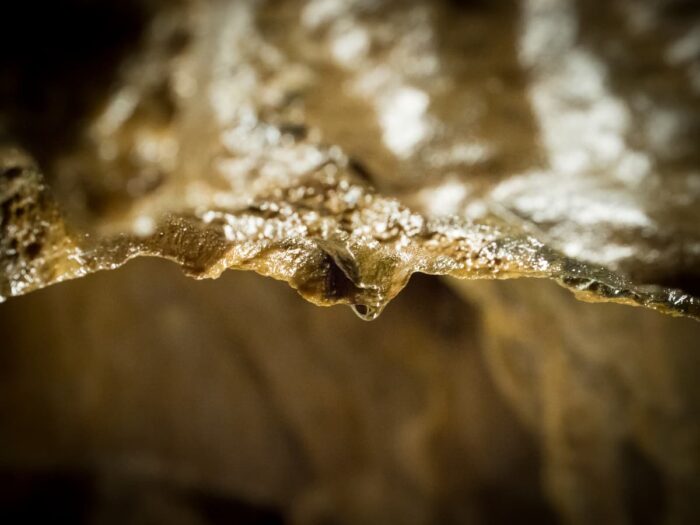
[[304, 141], [342, 147]]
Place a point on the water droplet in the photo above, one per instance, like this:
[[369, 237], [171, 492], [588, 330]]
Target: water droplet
[[365, 312]]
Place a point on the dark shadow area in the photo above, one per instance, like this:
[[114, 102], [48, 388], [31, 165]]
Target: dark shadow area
[[62, 496], [644, 490], [58, 61]]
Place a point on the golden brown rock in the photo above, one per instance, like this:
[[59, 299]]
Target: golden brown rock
[[342, 147], [219, 147]]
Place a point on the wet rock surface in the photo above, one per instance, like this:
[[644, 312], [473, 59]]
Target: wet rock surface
[[284, 137], [343, 147]]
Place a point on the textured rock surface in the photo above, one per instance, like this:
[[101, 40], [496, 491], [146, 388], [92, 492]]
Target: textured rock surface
[[341, 147], [240, 135]]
